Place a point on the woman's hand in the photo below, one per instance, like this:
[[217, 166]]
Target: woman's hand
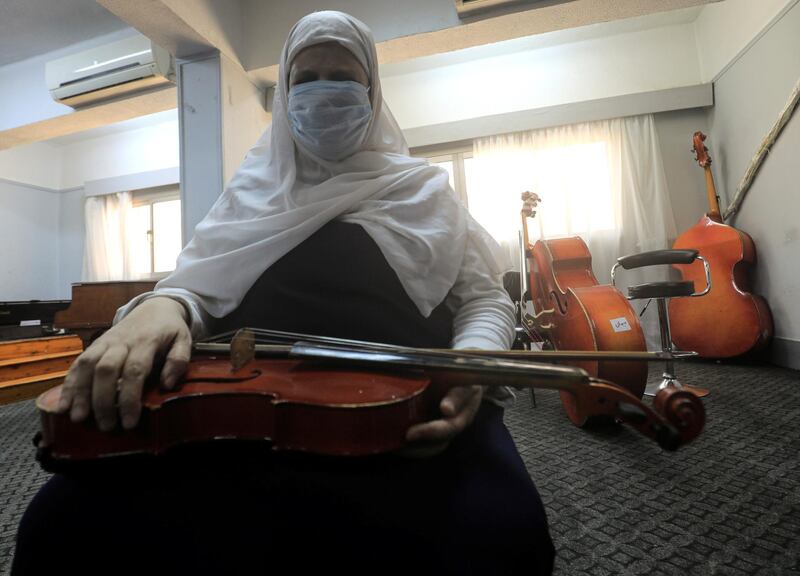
[[112, 371], [458, 407]]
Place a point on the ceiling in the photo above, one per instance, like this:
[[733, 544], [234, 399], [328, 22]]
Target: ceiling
[[32, 27], [117, 127]]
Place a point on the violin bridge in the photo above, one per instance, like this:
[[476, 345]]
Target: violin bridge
[[243, 348]]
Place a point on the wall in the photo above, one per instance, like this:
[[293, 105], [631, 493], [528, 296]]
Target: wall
[[221, 116], [129, 152], [70, 241], [244, 116], [42, 192], [28, 234], [37, 164], [538, 78], [725, 29], [749, 96], [685, 178]]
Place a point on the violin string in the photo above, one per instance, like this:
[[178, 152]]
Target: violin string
[[271, 337], [221, 337]]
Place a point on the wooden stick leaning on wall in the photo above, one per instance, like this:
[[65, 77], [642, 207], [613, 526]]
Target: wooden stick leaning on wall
[[765, 147]]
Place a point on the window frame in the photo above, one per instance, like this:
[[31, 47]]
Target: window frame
[[149, 197], [455, 154]]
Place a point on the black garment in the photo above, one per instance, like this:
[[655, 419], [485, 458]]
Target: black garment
[[337, 283], [241, 509]]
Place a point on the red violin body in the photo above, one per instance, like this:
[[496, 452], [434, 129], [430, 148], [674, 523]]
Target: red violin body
[[289, 403]]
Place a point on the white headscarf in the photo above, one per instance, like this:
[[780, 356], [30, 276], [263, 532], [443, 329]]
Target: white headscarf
[[282, 194]]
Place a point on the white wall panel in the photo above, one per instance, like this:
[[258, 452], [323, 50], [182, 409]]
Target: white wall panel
[[725, 29], [141, 150], [28, 243], [37, 164], [637, 62]]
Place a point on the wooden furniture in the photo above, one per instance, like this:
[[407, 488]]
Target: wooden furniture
[[33, 362], [94, 305], [31, 366]]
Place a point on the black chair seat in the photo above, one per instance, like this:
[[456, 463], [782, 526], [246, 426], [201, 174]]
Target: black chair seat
[[661, 290], [656, 257]]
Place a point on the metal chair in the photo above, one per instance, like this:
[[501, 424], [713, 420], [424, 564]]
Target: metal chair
[[661, 292]]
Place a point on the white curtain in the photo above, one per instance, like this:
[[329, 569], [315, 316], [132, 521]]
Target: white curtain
[[107, 249], [603, 181]]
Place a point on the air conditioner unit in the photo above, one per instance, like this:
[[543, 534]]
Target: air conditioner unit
[[111, 71]]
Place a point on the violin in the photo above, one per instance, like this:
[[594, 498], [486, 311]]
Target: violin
[[729, 320], [574, 312], [339, 398]]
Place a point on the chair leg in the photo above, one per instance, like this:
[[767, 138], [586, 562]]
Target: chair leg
[[668, 378]]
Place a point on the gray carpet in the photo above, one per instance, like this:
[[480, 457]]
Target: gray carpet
[[727, 504]]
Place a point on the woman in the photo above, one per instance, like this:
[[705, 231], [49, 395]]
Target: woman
[[329, 227]]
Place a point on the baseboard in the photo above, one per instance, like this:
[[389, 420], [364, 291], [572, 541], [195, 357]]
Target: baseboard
[[785, 352]]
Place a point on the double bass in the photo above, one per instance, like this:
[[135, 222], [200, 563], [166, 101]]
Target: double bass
[[573, 311], [334, 397], [729, 320]]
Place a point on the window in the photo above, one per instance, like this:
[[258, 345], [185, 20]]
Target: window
[[455, 162], [154, 230], [574, 182]]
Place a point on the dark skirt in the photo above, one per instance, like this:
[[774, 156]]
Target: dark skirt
[[231, 509]]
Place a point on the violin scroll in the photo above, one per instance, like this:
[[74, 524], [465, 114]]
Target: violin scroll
[[682, 409]]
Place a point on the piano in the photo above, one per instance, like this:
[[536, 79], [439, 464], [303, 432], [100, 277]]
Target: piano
[[39, 340], [94, 305]]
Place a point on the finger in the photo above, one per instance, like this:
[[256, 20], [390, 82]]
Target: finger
[[465, 404], [77, 388], [433, 431], [104, 390], [135, 371], [459, 398], [177, 359]]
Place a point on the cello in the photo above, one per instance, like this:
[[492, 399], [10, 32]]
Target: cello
[[729, 320], [334, 397], [573, 311]]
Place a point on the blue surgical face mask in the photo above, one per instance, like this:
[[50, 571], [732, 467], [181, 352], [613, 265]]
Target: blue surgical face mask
[[329, 118]]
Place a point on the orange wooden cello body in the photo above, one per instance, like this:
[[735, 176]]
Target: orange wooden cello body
[[729, 320], [575, 312]]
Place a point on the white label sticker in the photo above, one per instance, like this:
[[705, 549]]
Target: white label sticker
[[620, 324]]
